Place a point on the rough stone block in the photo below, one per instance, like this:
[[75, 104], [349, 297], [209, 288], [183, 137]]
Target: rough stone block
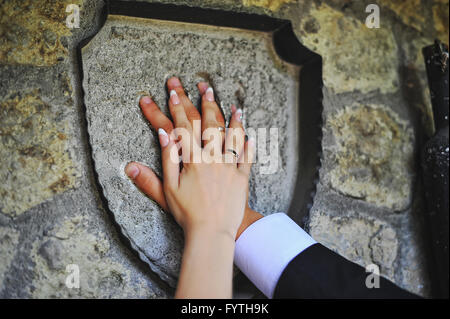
[[363, 240], [371, 155], [273, 5], [409, 12], [129, 57], [100, 276], [367, 234], [440, 16], [350, 63], [32, 31], [35, 163], [9, 239]]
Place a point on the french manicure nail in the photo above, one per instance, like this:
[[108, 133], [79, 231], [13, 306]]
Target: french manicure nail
[[174, 97], [163, 137], [251, 142], [238, 115], [209, 94], [132, 171]]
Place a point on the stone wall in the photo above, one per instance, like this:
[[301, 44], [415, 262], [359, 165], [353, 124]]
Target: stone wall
[[368, 203]]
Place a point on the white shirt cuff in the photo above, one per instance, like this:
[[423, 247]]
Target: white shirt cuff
[[266, 247]]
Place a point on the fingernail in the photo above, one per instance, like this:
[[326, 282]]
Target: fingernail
[[209, 95], [238, 115], [174, 97], [146, 99], [251, 142], [233, 108], [163, 137], [175, 82], [202, 85], [132, 171]]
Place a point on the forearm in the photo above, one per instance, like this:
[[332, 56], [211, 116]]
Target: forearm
[[207, 265], [266, 247]]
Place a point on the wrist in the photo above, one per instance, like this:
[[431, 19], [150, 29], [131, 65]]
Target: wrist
[[208, 234], [250, 217], [207, 264]]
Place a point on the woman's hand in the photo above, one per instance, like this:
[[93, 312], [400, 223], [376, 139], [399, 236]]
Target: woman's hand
[[208, 197], [201, 194]]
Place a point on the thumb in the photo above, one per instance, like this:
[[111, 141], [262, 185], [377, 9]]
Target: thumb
[[146, 180]]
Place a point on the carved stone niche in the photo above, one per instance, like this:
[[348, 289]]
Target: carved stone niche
[[253, 61]]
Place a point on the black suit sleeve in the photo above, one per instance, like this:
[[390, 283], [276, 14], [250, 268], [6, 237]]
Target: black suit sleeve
[[318, 272]]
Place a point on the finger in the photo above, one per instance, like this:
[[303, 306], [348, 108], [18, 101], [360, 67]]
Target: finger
[[235, 138], [192, 114], [211, 116], [183, 129], [177, 111], [147, 181], [202, 87], [247, 158], [170, 159], [154, 115], [160, 122]]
